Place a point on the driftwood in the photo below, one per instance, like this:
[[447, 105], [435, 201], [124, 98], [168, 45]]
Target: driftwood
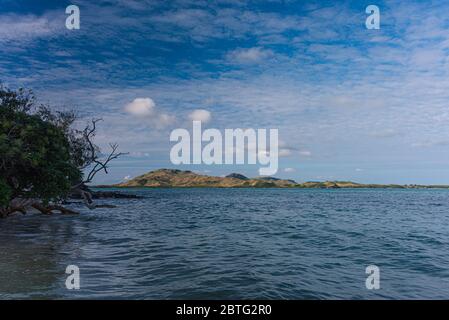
[[24, 205]]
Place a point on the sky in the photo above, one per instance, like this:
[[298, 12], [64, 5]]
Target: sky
[[350, 103]]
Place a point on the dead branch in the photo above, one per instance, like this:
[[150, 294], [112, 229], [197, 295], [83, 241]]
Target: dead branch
[[96, 161], [103, 164], [94, 154]]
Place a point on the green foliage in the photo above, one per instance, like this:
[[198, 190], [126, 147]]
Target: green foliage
[[35, 150], [5, 193]]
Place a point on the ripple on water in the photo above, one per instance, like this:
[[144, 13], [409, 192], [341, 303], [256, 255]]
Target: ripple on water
[[236, 243]]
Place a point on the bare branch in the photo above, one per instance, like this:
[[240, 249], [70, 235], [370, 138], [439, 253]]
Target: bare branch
[[103, 164], [97, 161]]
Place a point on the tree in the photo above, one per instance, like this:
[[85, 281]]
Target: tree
[[89, 155], [42, 156], [84, 153]]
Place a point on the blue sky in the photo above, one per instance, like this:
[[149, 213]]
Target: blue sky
[[349, 103]]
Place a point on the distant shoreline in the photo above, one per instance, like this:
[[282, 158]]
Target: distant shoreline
[[308, 188], [172, 178]]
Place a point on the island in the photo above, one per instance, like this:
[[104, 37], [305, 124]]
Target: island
[[174, 178]]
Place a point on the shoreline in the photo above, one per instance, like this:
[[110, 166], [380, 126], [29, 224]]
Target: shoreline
[[402, 187], [174, 178]]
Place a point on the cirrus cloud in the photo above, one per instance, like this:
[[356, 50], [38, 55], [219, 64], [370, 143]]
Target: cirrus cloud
[[249, 55]]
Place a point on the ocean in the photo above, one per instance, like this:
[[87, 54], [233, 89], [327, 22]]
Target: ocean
[[235, 244]]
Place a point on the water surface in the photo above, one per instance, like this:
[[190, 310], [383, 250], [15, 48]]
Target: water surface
[[235, 244]]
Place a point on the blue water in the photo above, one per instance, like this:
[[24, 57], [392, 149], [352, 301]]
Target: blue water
[[235, 244]]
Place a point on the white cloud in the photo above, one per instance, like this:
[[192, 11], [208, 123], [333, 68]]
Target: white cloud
[[139, 154], [430, 143], [289, 170], [305, 153], [202, 24], [17, 27], [285, 152], [384, 133], [200, 115], [145, 109], [248, 56], [141, 107], [166, 119]]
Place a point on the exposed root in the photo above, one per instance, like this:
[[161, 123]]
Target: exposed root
[[27, 204], [10, 210], [50, 208]]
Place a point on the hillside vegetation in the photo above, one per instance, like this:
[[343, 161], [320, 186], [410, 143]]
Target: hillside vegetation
[[172, 178]]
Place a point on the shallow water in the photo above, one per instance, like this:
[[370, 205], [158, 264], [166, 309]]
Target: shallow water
[[235, 243]]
